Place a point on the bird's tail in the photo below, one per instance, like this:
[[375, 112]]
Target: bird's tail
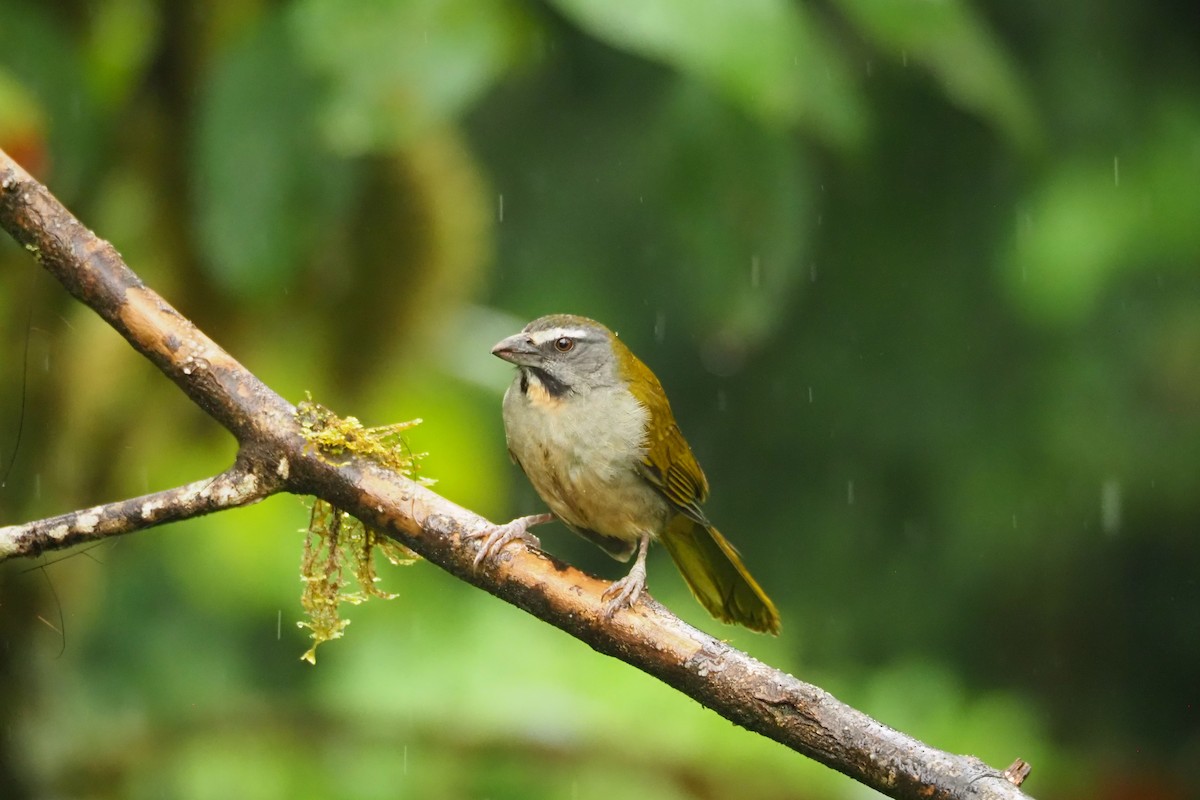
[[717, 577]]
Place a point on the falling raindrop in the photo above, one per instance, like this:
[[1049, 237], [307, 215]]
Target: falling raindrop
[[1116, 171], [849, 493], [810, 394], [722, 400], [500, 208], [1110, 506], [1024, 230], [660, 326]]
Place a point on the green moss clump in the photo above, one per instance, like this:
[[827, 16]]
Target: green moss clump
[[338, 564]]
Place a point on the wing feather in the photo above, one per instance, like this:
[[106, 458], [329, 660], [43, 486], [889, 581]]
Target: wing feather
[[668, 464]]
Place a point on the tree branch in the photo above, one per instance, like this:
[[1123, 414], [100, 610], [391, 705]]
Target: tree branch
[[239, 485], [273, 457]]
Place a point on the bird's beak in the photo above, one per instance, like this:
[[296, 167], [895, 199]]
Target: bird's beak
[[517, 349]]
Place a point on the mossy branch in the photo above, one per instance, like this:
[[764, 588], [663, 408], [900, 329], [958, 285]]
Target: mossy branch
[[339, 548], [273, 447]]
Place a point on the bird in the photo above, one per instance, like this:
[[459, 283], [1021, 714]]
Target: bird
[[591, 427]]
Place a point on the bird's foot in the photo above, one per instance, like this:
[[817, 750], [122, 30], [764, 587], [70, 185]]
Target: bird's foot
[[496, 537], [625, 592]]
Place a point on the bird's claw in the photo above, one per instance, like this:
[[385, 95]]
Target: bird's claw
[[625, 592], [497, 537]]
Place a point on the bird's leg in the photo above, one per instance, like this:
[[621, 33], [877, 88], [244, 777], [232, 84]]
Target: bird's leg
[[625, 592], [497, 536]]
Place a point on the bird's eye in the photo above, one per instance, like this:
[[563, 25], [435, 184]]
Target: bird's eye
[[563, 344]]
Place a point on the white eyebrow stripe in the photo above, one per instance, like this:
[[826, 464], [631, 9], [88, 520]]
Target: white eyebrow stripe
[[541, 337]]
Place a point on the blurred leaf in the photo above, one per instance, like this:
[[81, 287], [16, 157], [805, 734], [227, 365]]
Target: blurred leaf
[[122, 39], [39, 54], [739, 209], [1069, 242], [769, 56], [265, 188], [950, 40], [397, 67], [420, 237], [1161, 173], [1095, 217], [22, 124], [241, 764]]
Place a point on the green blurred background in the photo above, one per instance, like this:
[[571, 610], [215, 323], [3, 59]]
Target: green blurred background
[[920, 277]]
